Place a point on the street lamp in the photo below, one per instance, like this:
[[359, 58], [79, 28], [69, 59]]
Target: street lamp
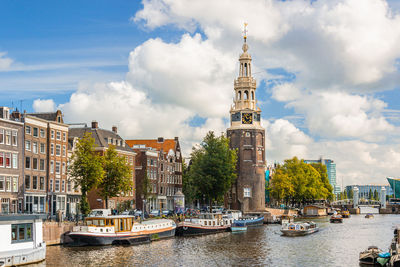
[[144, 206]]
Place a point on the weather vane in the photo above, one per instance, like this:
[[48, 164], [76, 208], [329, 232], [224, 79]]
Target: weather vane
[[245, 32]]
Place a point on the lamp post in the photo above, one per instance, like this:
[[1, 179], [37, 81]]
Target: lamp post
[[144, 206]]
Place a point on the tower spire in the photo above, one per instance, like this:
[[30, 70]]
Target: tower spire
[[245, 32]]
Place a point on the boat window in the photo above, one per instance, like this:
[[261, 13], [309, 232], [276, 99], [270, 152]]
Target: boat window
[[95, 222], [101, 222], [121, 225], [89, 222], [213, 222], [21, 232], [205, 222]]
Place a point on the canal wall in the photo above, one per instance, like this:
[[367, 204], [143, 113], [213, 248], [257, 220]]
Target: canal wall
[[54, 232], [390, 209]]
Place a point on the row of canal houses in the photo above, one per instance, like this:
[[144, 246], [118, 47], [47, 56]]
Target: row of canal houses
[[35, 149]]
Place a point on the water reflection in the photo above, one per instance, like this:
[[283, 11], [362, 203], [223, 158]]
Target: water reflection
[[333, 245]]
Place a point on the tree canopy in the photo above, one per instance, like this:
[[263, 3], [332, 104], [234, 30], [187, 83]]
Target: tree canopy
[[297, 182], [212, 170], [117, 175], [86, 168]]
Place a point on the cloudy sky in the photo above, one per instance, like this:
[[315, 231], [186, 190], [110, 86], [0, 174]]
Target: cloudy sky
[[328, 72]]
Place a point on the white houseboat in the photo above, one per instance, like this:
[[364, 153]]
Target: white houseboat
[[21, 240], [120, 229], [206, 223], [299, 229]]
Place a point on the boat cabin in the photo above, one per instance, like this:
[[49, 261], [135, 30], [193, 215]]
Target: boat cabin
[[109, 224], [21, 239], [211, 219]]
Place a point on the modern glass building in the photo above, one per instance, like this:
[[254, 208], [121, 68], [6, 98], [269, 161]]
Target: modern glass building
[[331, 168], [365, 189], [395, 186]]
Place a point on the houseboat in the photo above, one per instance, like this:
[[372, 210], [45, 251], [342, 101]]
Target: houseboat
[[205, 223], [299, 229], [21, 240], [120, 230], [315, 211]]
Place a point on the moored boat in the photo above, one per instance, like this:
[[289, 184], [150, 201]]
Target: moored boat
[[370, 256], [120, 230], [205, 223], [299, 229], [21, 240], [345, 213], [250, 220], [336, 218], [369, 216], [238, 227]]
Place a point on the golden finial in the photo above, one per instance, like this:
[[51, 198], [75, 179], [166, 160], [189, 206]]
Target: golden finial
[[245, 31]]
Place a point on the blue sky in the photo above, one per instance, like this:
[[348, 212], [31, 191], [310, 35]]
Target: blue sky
[[327, 71]]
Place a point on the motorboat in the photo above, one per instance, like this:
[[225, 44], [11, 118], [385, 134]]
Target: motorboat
[[345, 213], [369, 216], [370, 256], [336, 218], [238, 226], [250, 220], [299, 229], [120, 230], [205, 223]]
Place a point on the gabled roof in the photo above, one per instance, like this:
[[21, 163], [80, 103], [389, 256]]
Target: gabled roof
[[49, 116], [166, 145], [100, 136]]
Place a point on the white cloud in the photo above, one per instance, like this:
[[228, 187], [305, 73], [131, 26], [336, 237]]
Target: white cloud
[[285, 92], [44, 105], [5, 62]]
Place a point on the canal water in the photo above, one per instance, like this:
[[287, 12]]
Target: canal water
[[333, 245]]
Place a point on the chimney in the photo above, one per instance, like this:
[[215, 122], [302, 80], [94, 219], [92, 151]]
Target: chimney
[[16, 115], [114, 129], [176, 138], [95, 125], [160, 140]]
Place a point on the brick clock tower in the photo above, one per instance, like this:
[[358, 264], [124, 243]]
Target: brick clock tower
[[248, 137]]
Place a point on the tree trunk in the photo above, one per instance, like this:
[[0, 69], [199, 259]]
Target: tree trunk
[[210, 201], [106, 199]]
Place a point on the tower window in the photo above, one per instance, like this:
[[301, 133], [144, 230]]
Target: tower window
[[245, 69], [246, 95], [252, 95], [240, 95]]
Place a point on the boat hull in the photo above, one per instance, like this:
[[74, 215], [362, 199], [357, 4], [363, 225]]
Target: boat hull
[[88, 239], [190, 230], [336, 220], [299, 232], [250, 222], [23, 256], [238, 229]]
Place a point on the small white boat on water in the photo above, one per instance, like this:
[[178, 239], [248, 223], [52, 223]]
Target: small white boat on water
[[21, 240], [299, 229]]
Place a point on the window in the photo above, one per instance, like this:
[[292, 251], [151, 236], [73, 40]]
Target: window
[[2, 184], [42, 148], [27, 182], [63, 168], [21, 232], [58, 150], [52, 149], [28, 129], [69, 186], [15, 138], [35, 163], [15, 184], [247, 192], [41, 185], [42, 134], [64, 137], [8, 160], [64, 151], [41, 165], [58, 165], [28, 145], [51, 185], [35, 132], [34, 183], [57, 186], [15, 161], [8, 137], [8, 184], [63, 186], [51, 166], [35, 147], [52, 134], [58, 135], [1, 136]]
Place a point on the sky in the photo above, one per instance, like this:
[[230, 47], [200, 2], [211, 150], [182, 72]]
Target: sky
[[327, 72]]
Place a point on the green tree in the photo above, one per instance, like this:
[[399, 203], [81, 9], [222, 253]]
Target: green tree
[[370, 195], [376, 197], [117, 175], [344, 194], [86, 168], [323, 172], [351, 193], [189, 188], [213, 168], [280, 186]]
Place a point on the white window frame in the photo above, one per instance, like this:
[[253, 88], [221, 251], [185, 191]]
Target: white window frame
[[14, 134], [14, 161], [44, 148], [64, 136], [42, 133], [37, 132], [246, 192], [28, 145], [52, 166], [58, 150], [52, 134], [33, 147], [58, 135], [28, 130]]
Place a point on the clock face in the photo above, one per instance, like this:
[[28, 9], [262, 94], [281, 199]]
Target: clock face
[[247, 118]]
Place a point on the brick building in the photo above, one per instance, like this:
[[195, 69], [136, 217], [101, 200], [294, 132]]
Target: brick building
[[11, 167], [104, 138], [161, 160], [46, 143]]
